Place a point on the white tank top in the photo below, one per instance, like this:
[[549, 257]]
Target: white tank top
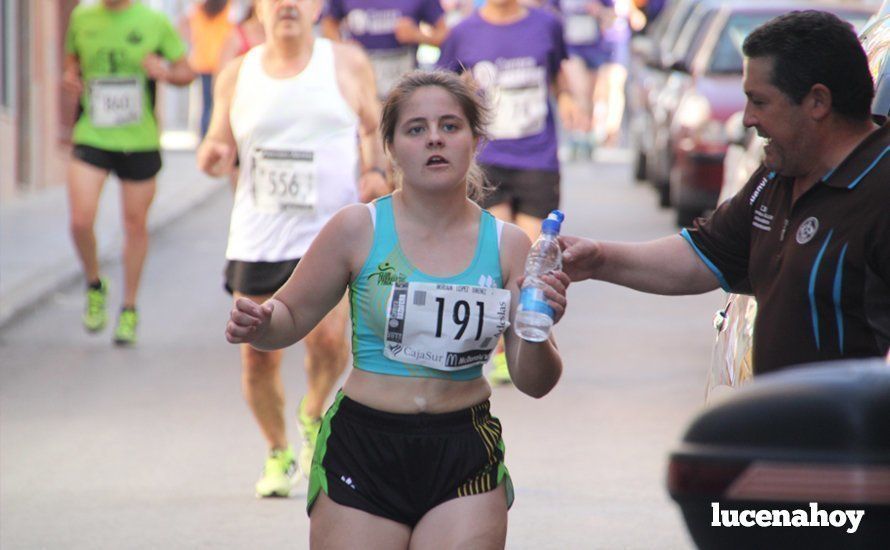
[[298, 146]]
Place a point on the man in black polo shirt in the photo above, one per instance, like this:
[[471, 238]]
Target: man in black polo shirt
[[809, 234]]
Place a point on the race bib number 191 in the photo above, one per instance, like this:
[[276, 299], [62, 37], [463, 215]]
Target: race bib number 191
[[442, 326], [284, 181], [115, 101]]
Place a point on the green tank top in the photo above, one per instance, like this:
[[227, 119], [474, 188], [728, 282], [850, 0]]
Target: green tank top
[[387, 265], [117, 104]]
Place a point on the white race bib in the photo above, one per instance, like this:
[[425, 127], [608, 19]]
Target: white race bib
[[284, 181], [520, 104], [581, 29], [443, 326], [389, 66], [115, 101]]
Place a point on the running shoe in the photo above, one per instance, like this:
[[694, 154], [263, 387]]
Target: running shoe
[[308, 427], [94, 316], [279, 474], [125, 333], [500, 374]]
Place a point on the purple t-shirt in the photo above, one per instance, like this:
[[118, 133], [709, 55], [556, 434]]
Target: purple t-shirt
[[371, 22], [514, 65]]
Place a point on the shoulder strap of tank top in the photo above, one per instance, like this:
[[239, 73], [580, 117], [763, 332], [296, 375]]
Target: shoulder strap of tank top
[[323, 59], [385, 236], [495, 228], [252, 67], [373, 211]]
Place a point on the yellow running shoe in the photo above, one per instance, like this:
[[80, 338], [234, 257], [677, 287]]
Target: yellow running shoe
[[308, 427], [499, 374], [94, 315], [279, 474], [125, 333]]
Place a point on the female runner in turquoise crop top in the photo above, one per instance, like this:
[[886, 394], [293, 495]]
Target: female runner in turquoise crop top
[[409, 451]]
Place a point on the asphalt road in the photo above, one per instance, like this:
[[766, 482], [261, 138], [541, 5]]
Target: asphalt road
[[153, 447]]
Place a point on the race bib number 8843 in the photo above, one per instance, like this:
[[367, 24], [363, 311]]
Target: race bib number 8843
[[442, 326], [115, 101]]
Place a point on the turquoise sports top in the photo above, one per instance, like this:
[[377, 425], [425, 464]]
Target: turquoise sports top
[[387, 264]]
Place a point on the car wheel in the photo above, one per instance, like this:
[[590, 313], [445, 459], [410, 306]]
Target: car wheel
[[686, 215], [640, 166], [664, 194]]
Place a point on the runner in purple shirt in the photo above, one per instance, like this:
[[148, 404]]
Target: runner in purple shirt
[[515, 53], [388, 30], [586, 44]]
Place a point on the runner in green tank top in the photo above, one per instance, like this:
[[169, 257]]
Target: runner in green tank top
[[116, 53], [407, 456]]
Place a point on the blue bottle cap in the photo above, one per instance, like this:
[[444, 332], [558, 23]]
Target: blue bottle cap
[[550, 226]]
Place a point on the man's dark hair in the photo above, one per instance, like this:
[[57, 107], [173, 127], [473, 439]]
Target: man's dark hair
[[814, 47]]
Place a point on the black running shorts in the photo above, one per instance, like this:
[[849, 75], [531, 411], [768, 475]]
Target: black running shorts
[[401, 466], [531, 192], [257, 278], [134, 167]]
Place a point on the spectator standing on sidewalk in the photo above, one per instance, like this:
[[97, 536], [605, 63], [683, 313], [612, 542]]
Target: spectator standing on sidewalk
[[291, 109], [117, 51], [809, 234], [207, 26]]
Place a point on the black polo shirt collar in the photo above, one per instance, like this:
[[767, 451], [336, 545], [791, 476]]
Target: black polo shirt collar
[[861, 160]]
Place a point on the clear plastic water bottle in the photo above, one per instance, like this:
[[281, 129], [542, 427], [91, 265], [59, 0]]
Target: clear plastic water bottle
[[534, 317]]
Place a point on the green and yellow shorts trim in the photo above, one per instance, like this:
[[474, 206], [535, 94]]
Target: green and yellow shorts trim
[[400, 466]]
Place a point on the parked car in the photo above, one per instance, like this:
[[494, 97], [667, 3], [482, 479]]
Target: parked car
[[875, 37], [667, 97], [647, 75]]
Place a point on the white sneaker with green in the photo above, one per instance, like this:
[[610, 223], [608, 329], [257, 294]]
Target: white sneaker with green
[[279, 474]]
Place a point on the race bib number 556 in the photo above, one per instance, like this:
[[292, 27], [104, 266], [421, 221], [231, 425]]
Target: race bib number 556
[[284, 181], [442, 326]]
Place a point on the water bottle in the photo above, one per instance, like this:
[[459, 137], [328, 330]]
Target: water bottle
[[534, 317]]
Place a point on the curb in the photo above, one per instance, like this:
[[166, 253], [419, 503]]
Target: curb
[[63, 274]]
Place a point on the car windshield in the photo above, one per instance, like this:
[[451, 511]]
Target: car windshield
[[876, 43], [678, 18], [727, 56], [693, 32]]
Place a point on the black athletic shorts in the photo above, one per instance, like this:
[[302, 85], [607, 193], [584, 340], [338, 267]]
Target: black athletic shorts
[[531, 192], [401, 466], [257, 278], [138, 166]]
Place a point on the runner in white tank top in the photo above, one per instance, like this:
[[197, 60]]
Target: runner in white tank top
[[292, 109]]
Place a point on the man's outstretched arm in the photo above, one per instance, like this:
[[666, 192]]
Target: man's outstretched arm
[[665, 266]]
